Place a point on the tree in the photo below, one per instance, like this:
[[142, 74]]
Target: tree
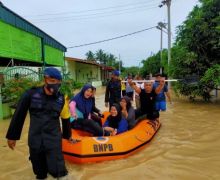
[[133, 70], [200, 33], [100, 56], [182, 62], [211, 77], [151, 65], [197, 49], [111, 60], [104, 58], [90, 56]]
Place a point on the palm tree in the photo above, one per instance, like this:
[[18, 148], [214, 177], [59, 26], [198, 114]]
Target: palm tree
[[90, 56], [111, 60], [100, 56]]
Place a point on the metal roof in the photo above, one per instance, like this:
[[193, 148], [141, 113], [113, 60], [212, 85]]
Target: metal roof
[[84, 61]]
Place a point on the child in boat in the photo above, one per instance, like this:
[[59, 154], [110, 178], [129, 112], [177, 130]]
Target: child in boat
[[128, 111], [82, 103], [115, 123]]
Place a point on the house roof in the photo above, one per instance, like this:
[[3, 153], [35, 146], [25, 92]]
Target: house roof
[[10, 17], [84, 61], [107, 68]]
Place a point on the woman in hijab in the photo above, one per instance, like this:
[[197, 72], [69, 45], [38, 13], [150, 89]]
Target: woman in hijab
[[128, 111], [81, 108], [115, 123]]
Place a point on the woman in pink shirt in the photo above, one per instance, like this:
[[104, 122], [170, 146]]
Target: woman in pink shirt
[[80, 108]]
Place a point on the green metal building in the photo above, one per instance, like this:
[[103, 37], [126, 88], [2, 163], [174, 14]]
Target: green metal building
[[23, 42]]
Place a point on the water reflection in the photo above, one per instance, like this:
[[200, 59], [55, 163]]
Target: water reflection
[[186, 147]]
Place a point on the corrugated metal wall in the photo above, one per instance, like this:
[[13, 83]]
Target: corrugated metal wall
[[19, 44], [54, 56], [8, 16], [21, 40]]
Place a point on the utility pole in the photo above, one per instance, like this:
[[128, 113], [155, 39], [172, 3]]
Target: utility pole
[[161, 49], [160, 26], [168, 3], [139, 66]]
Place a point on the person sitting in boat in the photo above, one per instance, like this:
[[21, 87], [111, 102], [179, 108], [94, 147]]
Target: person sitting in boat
[[115, 123], [128, 111], [81, 108], [96, 113], [147, 100]]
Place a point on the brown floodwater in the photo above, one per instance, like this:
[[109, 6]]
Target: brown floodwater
[[186, 147]]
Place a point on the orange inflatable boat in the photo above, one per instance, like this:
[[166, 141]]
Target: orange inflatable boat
[[95, 149]]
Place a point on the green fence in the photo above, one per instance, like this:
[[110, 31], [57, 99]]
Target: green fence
[[22, 72]]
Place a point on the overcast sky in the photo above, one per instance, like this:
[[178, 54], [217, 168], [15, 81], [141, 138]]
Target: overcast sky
[[76, 22]]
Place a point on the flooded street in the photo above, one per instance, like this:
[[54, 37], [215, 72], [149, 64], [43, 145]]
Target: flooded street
[[186, 147]]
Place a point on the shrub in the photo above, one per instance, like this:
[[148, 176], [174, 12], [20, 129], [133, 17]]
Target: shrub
[[68, 86], [14, 88]]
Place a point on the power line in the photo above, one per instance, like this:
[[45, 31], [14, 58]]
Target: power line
[[95, 15], [110, 39], [90, 10]]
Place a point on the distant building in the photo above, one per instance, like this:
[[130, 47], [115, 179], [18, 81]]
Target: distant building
[[87, 71]]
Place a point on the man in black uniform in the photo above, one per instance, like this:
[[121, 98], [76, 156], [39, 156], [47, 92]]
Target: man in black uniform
[[45, 104], [113, 90], [147, 100]]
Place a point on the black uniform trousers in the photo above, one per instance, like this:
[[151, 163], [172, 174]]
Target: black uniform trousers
[[47, 160]]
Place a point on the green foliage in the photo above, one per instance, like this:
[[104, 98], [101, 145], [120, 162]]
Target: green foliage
[[183, 63], [90, 56], [100, 56], [103, 58], [14, 88], [200, 33], [197, 50], [193, 90], [68, 86], [164, 62], [211, 77], [134, 70], [151, 65]]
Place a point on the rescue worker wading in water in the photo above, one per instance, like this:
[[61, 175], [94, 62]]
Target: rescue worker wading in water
[[45, 104]]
